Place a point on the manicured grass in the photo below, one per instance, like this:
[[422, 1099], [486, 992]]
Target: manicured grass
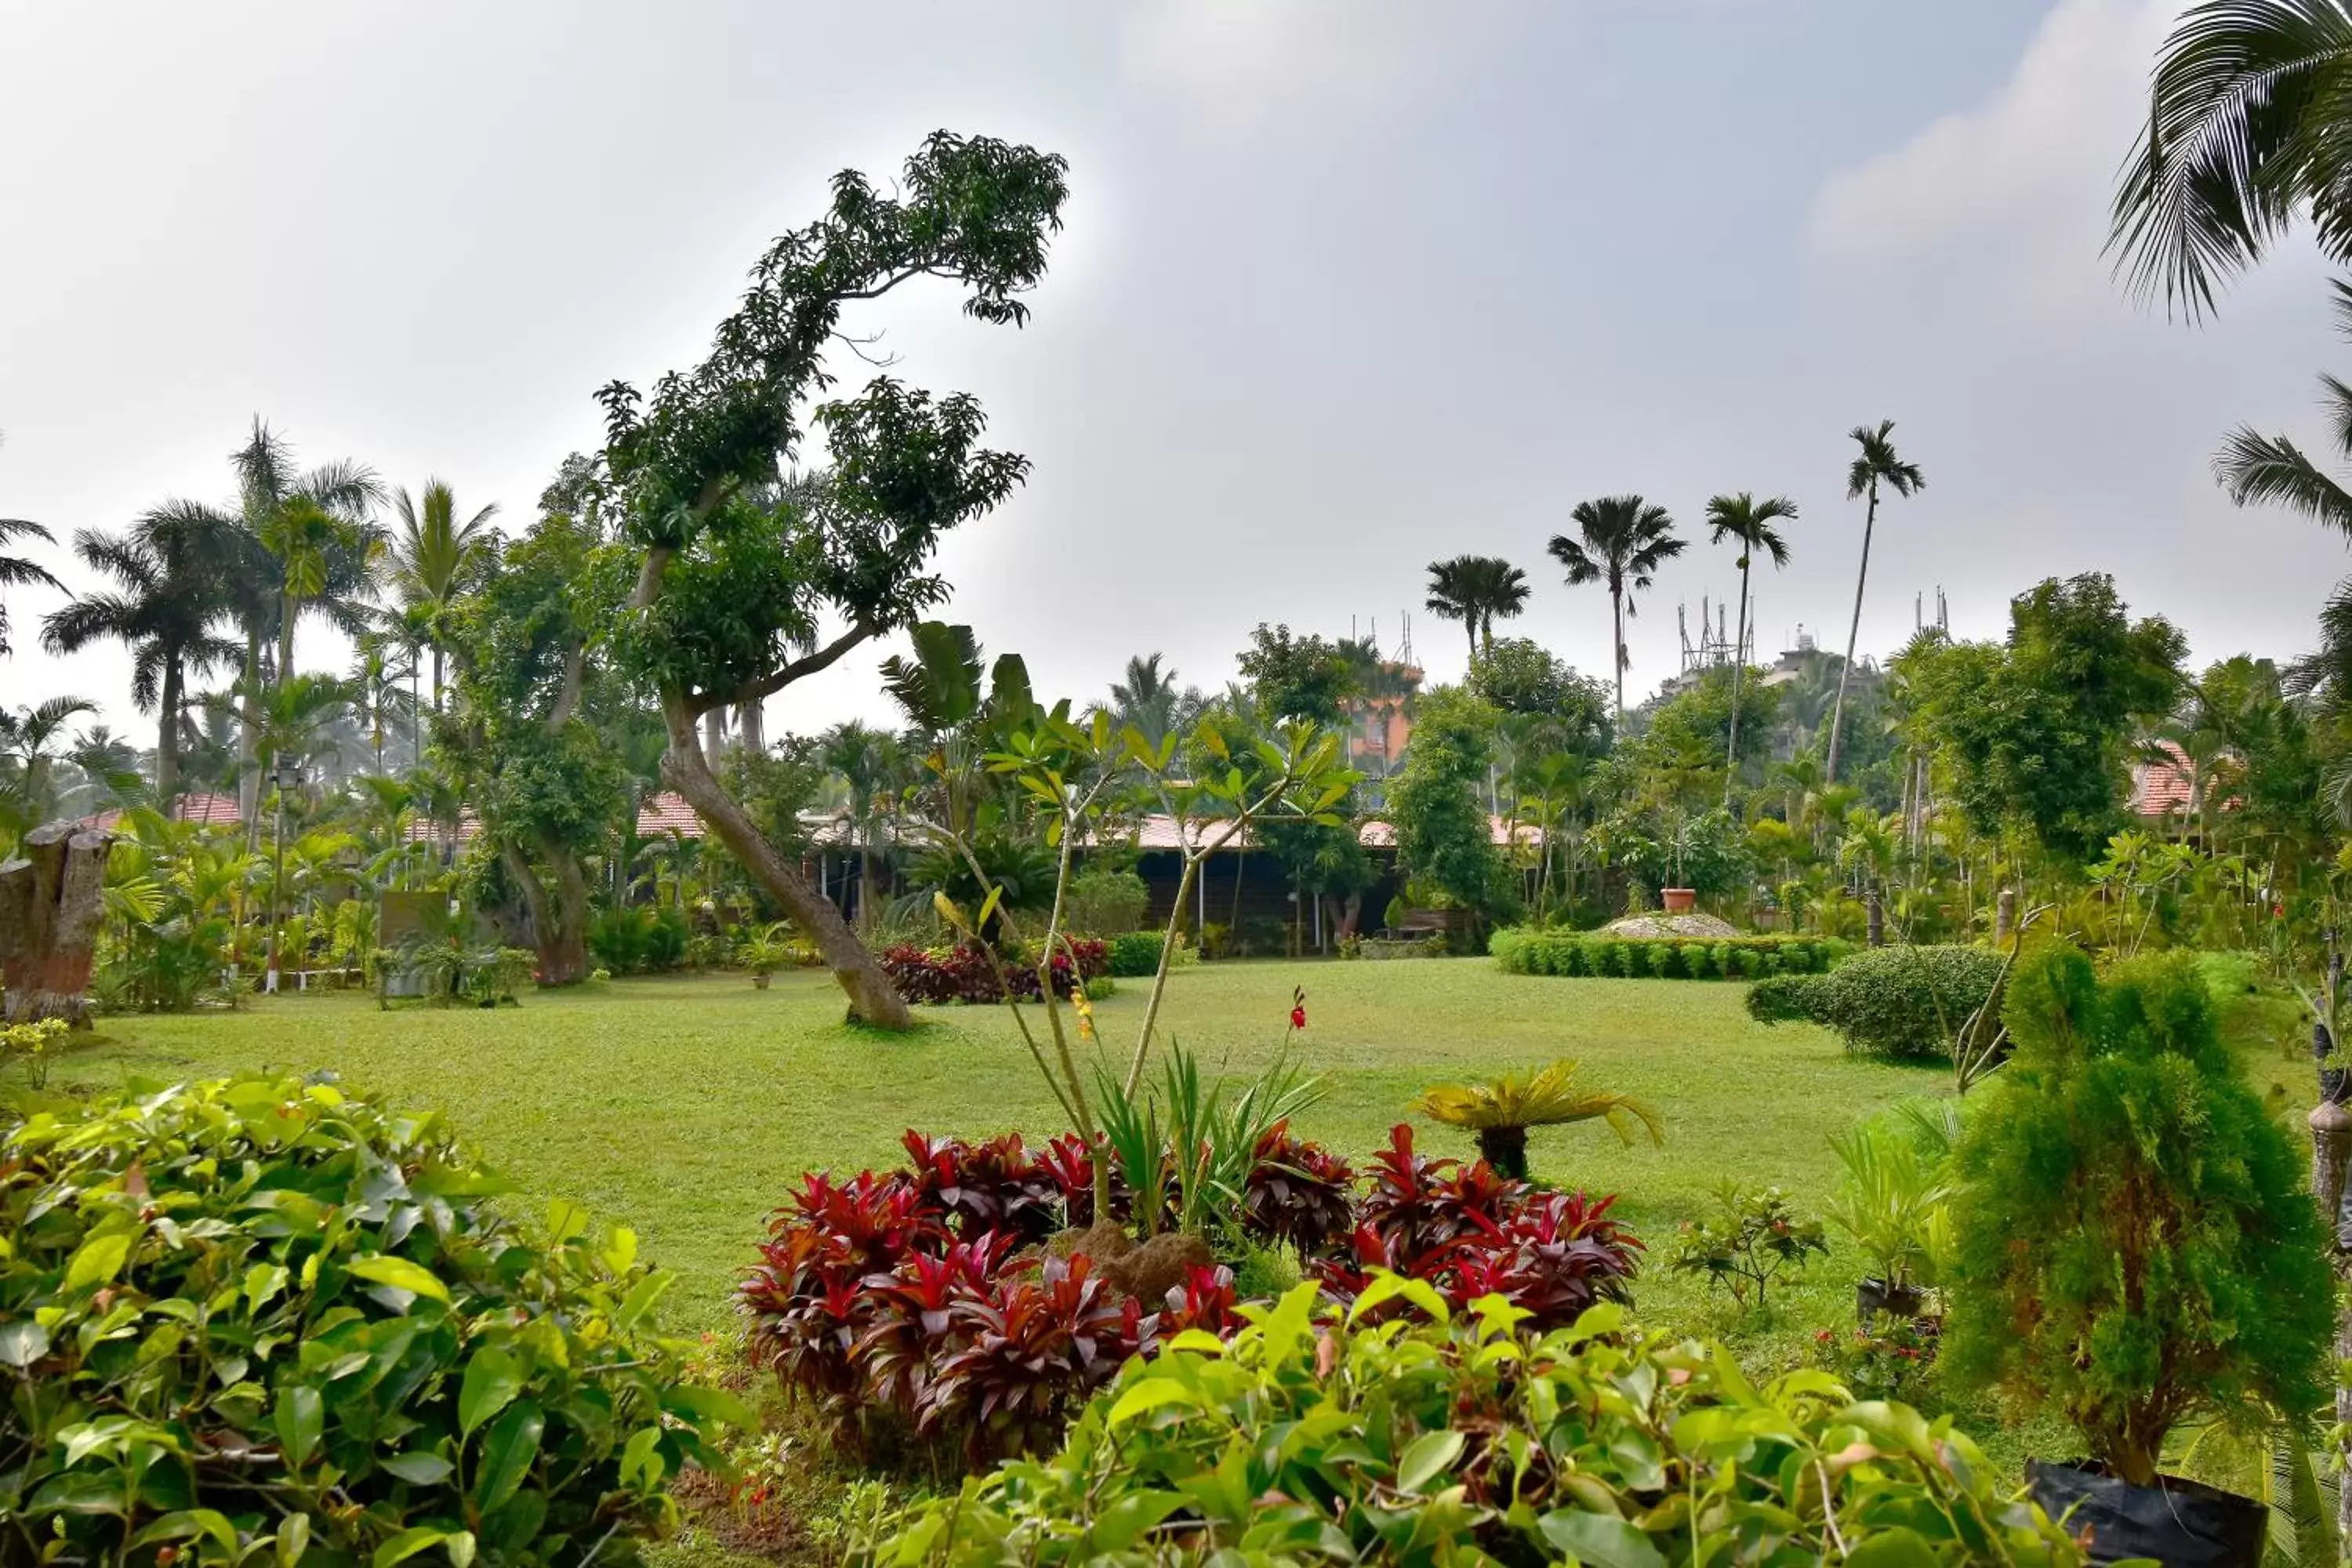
[[688, 1107]]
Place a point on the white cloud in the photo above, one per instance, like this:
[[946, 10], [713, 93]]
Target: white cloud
[[2020, 182], [1240, 60]]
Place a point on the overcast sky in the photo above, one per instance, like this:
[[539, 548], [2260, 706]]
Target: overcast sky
[[1347, 285]]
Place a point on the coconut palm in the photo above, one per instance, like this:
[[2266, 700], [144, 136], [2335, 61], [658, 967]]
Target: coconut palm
[[1149, 700], [435, 558], [1474, 590], [170, 570], [1625, 541], [15, 572], [1747, 523], [33, 742], [1875, 466], [2249, 127], [1501, 1112]]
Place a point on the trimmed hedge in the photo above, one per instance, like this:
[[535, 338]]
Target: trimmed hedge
[[1520, 951], [1897, 1002]]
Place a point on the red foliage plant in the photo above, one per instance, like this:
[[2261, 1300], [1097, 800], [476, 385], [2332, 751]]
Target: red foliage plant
[[1472, 1233], [965, 972], [918, 1303]]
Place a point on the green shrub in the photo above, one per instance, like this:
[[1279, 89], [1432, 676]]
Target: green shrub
[[242, 1316], [1905, 1002], [1106, 903], [1790, 999], [1459, 1441], [2134, 1246], [1524, 951], [1134, 954]]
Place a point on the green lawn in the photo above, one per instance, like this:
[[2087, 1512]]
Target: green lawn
[[688, 1107]]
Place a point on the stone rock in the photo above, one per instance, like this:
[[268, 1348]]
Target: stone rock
[[1694, 924]]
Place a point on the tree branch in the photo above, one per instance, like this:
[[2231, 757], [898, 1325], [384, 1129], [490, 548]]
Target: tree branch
[[806, 665]]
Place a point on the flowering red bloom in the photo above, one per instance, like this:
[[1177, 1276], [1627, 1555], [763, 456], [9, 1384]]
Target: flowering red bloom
[[1298, 1017], [2278, 912]]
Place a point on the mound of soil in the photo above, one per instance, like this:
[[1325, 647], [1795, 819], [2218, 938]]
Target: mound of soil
[[1657, 924]]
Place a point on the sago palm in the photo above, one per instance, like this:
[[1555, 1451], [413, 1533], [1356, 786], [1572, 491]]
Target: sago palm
[[1623, 542], [2249, 129], [1875, 466], [1500, 1112], [1746, 522], [1475, 590]]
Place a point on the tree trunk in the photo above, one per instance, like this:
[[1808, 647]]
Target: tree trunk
[[2004, 914], [750, 723], [1617, 651], [436, 677], [50, 908], [872, 998], [559, 925], [1505, 1149], [1853, 634], [714, 733], [1874, 905], [1739, 669], [167, 736], [248, 758]]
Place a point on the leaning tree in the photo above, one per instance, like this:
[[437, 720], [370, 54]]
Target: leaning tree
[[746, 582]]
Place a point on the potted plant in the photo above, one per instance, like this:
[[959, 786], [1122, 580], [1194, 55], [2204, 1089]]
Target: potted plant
[[1892, 1205], [2134, 1249], [1679, 899], [763, 953]]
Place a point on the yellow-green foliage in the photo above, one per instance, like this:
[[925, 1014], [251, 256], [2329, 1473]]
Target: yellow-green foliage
[[2133, 1244]]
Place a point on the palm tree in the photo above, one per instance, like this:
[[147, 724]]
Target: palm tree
[[2250, 124], [33, 741], [435, 558], [1149, 700], [1625, 541], [170, 569], [318, 519], [869, 761], [1876, 463], [1749, 522], [1473, 589], [15, 572]]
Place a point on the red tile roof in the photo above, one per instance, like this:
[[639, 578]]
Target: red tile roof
[[2169, 788]]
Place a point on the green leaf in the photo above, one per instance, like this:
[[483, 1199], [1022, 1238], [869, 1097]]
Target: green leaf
[[407, 1544], [1121, 1521], [1896, 1548], [402, 1275], [507, 1454], [492, 1379], [293, 1539], [301, 1418], [23, 1342], [262, 1281], [708, 1404], [459, 1544], [1425, 1458], [1147, 1395], [640, 1301], [96, 1261], [419, 1470], [190, 1521], [641, 1460], [1600, 1538]]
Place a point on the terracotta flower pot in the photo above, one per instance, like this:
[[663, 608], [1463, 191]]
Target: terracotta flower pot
[[1679, 900], [1873, 1295], [759, 982]]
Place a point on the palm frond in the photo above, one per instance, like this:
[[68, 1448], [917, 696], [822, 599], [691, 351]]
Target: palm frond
[[1547, 1097], [2271, 470]]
